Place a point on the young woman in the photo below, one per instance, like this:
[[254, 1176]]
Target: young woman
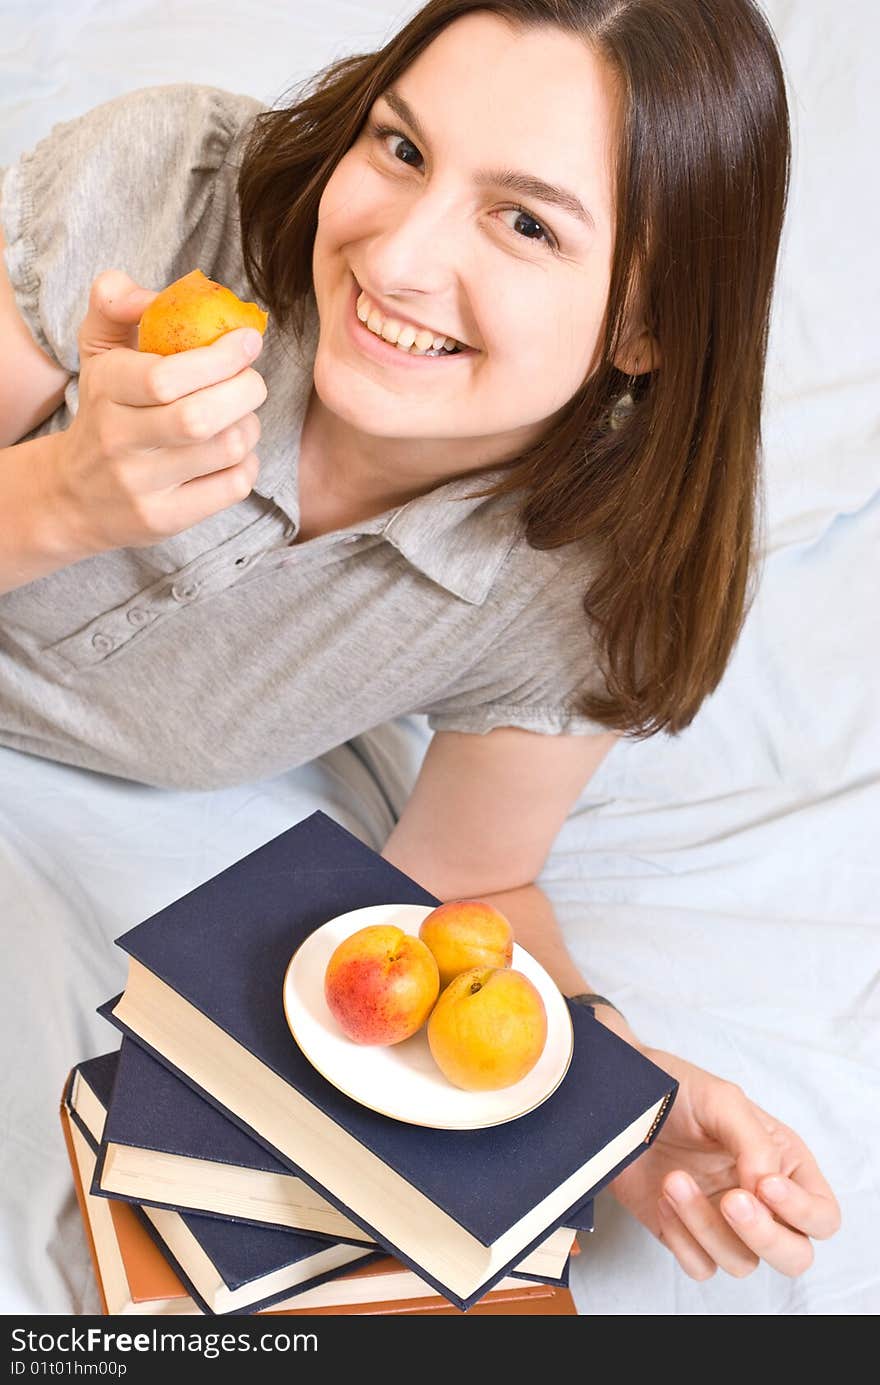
[[519, 267]]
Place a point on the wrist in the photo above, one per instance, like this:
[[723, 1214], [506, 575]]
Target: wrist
[[36, 539], [58, 521], [608, 1014]]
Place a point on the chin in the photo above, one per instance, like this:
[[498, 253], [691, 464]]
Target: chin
[[368, 405]]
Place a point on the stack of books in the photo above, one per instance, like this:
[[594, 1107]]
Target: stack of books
[[219, 1172], [195, 1264]]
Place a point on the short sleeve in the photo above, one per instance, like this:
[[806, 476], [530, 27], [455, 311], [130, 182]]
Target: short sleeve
[[534, 673], [143, 183]]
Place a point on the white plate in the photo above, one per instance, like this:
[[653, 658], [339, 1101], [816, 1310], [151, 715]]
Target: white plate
[[402, 1080]]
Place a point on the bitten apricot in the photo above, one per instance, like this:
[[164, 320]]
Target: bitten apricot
[[194, 311]]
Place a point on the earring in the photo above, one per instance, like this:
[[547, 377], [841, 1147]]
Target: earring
[[624, 405]]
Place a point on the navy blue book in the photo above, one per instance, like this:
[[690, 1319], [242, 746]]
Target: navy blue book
[[461, 1208], [228, 1268], [165, 1146]]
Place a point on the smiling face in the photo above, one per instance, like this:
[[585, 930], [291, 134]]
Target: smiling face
[[423, 224]]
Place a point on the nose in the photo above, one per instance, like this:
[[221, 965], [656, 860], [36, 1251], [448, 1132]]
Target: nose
[[417, 253]]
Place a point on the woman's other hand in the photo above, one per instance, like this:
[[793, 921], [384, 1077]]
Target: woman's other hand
[[726, 1185]]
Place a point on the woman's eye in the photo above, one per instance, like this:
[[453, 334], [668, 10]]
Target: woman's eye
[[386, 136], [526, 226]]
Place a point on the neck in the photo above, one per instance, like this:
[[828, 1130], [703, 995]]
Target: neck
[[363, 472]]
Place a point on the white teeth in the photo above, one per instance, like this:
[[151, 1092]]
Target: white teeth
[[417, 341]]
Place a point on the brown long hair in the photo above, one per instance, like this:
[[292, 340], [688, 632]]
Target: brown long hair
[[665, 489]]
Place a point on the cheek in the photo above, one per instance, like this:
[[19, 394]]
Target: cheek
[[575, 327], [344, 211], [546, 336]]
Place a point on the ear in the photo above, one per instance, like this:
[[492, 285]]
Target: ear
[[639, 354]]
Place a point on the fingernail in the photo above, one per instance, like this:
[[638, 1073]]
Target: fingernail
[[252, 343], [680, 1188], [740, 1207], [775, 1188]]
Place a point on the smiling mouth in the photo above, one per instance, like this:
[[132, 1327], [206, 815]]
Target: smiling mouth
[[405, 337]]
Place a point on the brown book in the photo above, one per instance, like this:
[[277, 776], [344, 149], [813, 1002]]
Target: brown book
[[547, 1300], [134, 1277]]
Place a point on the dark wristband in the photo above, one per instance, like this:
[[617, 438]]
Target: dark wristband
[[591, 999]]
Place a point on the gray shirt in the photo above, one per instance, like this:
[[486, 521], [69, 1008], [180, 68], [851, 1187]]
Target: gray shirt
[[228, 653]]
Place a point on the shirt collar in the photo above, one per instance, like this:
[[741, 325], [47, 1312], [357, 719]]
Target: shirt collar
[[454, 539], [458, 541]]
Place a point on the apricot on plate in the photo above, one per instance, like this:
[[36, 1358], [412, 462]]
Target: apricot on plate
[[465, 933], [380, 984], [488, 1028], [194, 311]]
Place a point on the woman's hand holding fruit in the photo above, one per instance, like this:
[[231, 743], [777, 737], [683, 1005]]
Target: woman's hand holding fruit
[[159, 442]]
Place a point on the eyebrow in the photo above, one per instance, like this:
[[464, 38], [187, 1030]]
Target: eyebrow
[[526, 184]]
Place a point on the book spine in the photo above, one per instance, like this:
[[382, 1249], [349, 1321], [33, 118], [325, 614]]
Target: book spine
[[81, 1200]]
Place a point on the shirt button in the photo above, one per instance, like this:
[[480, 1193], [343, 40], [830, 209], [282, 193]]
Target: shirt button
[[185, 591], [103, 643], [138, 616]]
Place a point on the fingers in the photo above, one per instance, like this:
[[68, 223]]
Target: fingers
[[742, 1131], [192, 425], [116, 305], [172, 377], [785, 1250], [709, 1234], [208, 494], [686, 1249], [142, 379], [774, 1163], [812, 1209], [177, 466], [737, 1234]]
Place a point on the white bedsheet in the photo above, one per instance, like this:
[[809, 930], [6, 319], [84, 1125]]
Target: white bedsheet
[[722, 885]]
